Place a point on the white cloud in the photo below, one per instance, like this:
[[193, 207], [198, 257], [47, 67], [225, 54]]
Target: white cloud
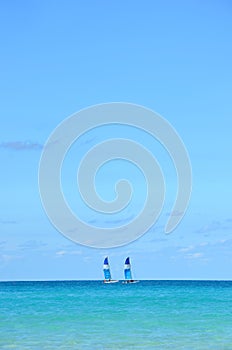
[[194, 256], [87, 258], [186, 249], [62, 253], [7, 258]]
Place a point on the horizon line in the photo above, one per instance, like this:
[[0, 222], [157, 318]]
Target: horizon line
[[100, 280]]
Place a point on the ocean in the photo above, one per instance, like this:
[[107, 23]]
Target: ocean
[[92, 315]]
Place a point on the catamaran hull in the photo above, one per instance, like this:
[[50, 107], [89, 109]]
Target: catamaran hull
[[129, 282], [112, 281]]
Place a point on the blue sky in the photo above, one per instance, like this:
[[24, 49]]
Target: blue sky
[[173, 57]]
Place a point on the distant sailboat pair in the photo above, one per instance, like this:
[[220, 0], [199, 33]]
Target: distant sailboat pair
[[127, 272]]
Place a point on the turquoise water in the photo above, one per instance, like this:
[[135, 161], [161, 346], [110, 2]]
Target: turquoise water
[[91, 315]]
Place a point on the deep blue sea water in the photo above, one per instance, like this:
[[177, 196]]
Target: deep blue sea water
[[92, 315]]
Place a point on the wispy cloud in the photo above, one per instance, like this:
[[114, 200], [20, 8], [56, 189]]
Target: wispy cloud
[[194, 256], [186, 249], [205, 250], [191, 252], [21, 145], [8, 222], [87, 259], [212, 226], [7, 258], [2, 244], [225, 243], [32, 245], [62, 253]]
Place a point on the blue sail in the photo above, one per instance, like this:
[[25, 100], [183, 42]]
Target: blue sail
[[127, 269], [106, 269]]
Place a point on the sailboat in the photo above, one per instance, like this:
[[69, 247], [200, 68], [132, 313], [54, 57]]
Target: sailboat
[[128, 273], [106, 270]]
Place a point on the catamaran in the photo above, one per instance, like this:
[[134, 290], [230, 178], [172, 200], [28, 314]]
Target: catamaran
[[128, 273], [106, 270]]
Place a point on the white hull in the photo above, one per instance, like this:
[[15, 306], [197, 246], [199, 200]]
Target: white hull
[[129, 282], [111, 281]]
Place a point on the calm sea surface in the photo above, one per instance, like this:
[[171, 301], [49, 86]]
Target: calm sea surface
[[91, 315]]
